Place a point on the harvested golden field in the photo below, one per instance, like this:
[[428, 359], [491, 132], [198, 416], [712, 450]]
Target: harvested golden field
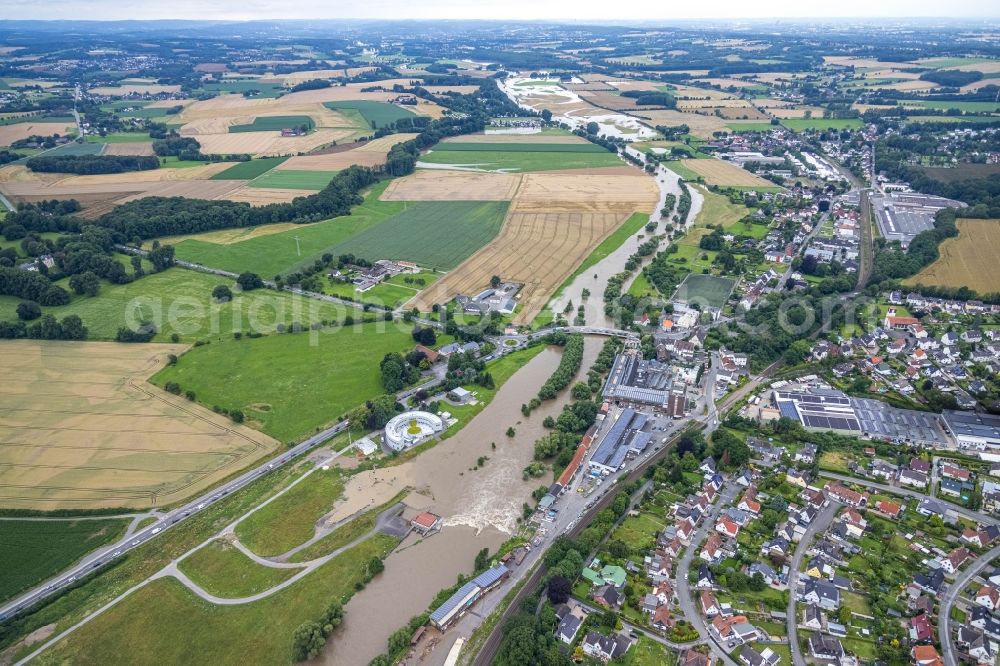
[[968, 260], [370, 153], [145, 89], [702, 126], [976, 85], [439, 185], [736, 113], [383, 144], [192, 189], [553, 223], [11, 133], [607, 100], [596, 85], [907, 86], [83, 430], [440, 90], [797, 112], [262, 196], [138, 148], [264, 144], [712, 104], [692, 92], [725, 174], [644, 86]]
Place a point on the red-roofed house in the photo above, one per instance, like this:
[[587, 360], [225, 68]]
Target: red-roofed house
[[921, 628], [727, 527], [988, 597], [426, 522], [887, 508], [955, 560], [925, 655]]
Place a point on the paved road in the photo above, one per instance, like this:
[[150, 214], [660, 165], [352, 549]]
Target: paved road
[[168, 520], [954, 591], [981, 518], [818, 525], [681, 584]]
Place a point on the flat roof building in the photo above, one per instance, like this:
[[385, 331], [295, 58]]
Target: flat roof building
[[467, 595], [636, 380], [618, 442], [973, 430]]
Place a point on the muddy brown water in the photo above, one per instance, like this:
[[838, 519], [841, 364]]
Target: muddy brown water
[[480, 509]]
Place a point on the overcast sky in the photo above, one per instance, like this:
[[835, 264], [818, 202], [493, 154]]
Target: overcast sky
[[634, 10]]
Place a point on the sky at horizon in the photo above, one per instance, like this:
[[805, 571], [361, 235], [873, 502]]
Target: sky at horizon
[[636, 10]]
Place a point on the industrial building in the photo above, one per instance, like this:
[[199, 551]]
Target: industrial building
[[973, 430], [828, 409], [467, 595], [903, 215], [622, 440], [636, 381]]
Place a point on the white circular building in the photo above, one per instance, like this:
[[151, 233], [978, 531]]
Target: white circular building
[[410, 428]]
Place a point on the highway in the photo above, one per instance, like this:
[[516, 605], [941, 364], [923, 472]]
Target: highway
[[104, 555]]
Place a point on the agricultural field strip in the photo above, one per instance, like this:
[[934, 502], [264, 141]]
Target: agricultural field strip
[[110, 437]]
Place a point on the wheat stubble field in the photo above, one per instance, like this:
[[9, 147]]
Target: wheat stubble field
[[554, 221], [80, 428]]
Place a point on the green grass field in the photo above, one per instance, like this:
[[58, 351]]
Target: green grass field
[[290, 520], [249, 170], [641, 288], [279, 253], [710, 289], [746, 126], [294, 179], [802, 124], [226, 572], [245, 85], [377, 114], [435, 234], [291, 385], [518, 161], [524, 147], [345, 534], [973, 107], [33, 550], [164, 623], [273, 124], [179, 301]]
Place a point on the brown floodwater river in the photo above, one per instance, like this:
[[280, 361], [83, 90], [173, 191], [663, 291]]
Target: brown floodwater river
[[480, 509]]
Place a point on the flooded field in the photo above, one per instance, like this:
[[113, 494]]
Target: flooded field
[[480, 509]]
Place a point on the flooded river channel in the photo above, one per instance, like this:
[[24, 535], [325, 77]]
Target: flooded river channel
[[480, 508]]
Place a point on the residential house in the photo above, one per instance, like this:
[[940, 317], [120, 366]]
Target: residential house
[[925, 655], [825, 648], [812, 618], [608, 596], [570, 620], [914, 478], [988, 597], [975, 644], [735, 630], [821, 593], [605, 648], [931, 507], [955, 559], [751, 657], [766, 572], [807, 454], [921, 629], [981, 618], [888, 509], [709, 606], [727, 527], [692, 658], [845, 495], [706, 581], [930, 582], [854, 522]]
